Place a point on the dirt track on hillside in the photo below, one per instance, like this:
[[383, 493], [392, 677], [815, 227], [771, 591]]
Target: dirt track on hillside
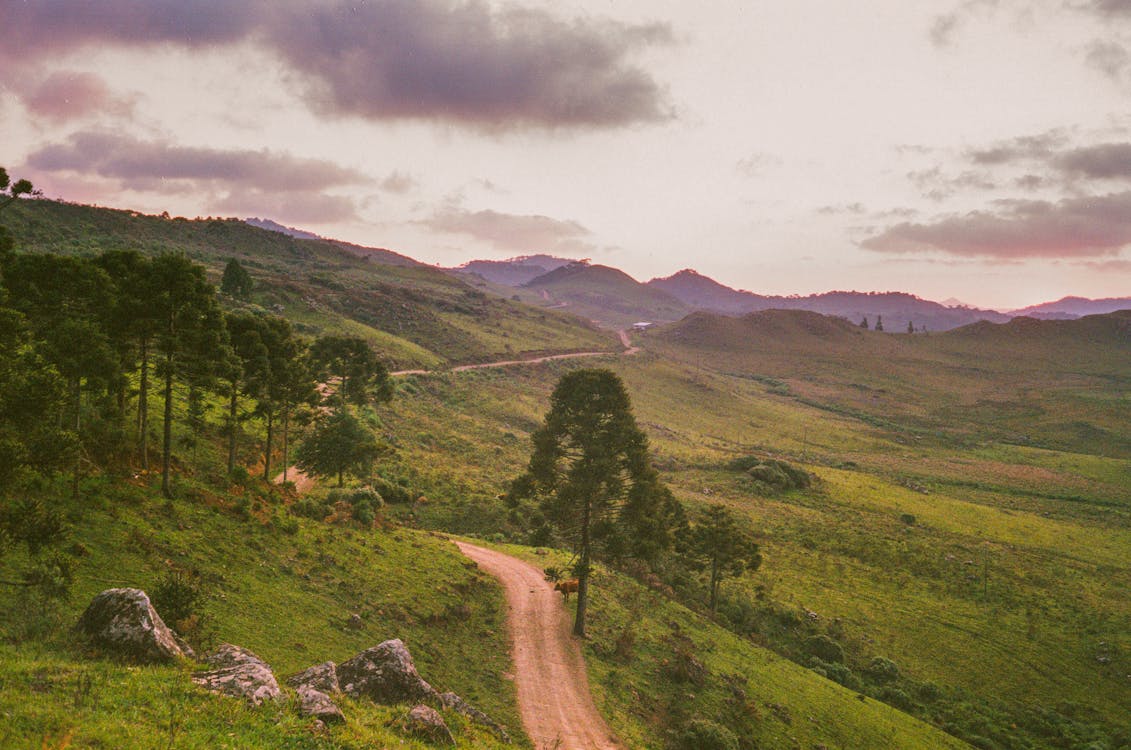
[[553, 692]]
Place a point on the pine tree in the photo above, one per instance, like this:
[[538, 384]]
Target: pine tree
[[236, 281]]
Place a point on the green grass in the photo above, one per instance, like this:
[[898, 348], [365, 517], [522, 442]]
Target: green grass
[[283, 589]]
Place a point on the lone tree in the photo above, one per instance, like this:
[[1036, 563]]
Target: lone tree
[[864, 322], [879, 323], [591, 476], [236, 281], [718, 545]]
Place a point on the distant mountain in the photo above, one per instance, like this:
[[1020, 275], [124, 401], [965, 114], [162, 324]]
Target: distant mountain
[[513, 271], [896, 308], [274, 226], [607, 295], [1074, 307]]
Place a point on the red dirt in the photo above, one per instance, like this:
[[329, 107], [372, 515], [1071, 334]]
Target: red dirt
[[553, 692]]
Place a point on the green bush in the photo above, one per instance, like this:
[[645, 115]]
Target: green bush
[[882, 670], [824, 648], [838, 673], [704, 734], [175, 597], [391, 492], [771, 472]]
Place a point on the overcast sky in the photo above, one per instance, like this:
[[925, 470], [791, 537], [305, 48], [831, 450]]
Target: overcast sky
[[977, 149]]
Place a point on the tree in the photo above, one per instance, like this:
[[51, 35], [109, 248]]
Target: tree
[[11, 191], [864, 322], [592, 478], [190, 328], [361, 378], [236, 281], [244, 370], [718, 545], [339, 444], [910, 327], [879, 323]]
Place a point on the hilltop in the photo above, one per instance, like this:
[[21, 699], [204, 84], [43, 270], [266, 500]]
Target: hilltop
[[606, 294]]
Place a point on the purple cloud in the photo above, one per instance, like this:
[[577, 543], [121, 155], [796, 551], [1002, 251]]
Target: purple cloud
[[137, 163], [67, 95], [464, 62], [1088, 227]]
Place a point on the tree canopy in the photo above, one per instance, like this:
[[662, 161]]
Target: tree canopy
[[591, 476]]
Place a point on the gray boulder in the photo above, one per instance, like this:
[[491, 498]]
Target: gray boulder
[[313, 686], [426, 723], [316, 704], [125, 622], [239, 673], [322, 677], [459, 705], [385, 674]]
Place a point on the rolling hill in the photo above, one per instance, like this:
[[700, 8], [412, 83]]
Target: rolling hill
[[606, 295]]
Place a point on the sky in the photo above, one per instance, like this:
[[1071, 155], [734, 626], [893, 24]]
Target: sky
[[971, 150]]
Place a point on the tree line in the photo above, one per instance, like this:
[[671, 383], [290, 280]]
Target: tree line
[[86, 344]]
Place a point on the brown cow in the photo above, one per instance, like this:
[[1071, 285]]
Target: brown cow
[[566, 587]]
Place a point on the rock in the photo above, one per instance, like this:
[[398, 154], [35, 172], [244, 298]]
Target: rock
[[239, 673], [318, 705], [355, 622], [459, 705], [384, 674], [124, 621], [425, 722], [322, 677]]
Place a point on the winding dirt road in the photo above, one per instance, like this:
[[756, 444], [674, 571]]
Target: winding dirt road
[[553, 692]]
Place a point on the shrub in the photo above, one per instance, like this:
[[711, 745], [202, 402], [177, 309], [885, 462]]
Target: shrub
[[772, 472], [882, 670], [316, 510], [824, 648], [704, 734], [394, 493], [175, 597], [893, 696], [838, 673]]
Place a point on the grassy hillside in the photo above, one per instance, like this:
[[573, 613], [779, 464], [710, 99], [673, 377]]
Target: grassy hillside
[[606, 295], [418, 316], [995, 576], [281, 586]]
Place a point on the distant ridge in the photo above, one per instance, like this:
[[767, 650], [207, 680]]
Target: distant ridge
[[897, 309], [1072, 307], [607, 295], [274, 226], [513, 271]]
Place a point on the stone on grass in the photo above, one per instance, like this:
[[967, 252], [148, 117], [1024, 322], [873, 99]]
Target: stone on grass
[[426, 723], [239, 673], [124, 621], [316, 704], [322, 677], [385, 674]]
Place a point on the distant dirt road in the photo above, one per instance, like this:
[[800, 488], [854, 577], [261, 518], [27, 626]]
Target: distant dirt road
[[553, 693], [628, 349]]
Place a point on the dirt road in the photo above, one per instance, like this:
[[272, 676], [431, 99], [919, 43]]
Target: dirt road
[[553, 693]]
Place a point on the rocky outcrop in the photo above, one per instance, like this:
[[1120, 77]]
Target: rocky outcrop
[[426, 723], [124, 621], [322, 677], [385, 674], [239, 673], [314, 686], [318, 705], [459, 705]]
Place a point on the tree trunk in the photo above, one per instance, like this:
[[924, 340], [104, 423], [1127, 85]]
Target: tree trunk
[[267, 452], [233, 406], [143, 407], [286, 435], [76, 386], [714, 585], [583, 574], [167, 429]]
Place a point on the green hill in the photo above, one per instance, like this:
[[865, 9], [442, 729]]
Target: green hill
[[418, 316], [607, 295]]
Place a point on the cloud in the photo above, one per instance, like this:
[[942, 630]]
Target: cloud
[[1086, 227], [398, 182], [935, 184], [942, 29], [1110, 8], [146, 164], [511, 232], [1105, 161], [757, 164], [242, 182], [1038, 146], [468, 63], [68, 95], [1109, 57]]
